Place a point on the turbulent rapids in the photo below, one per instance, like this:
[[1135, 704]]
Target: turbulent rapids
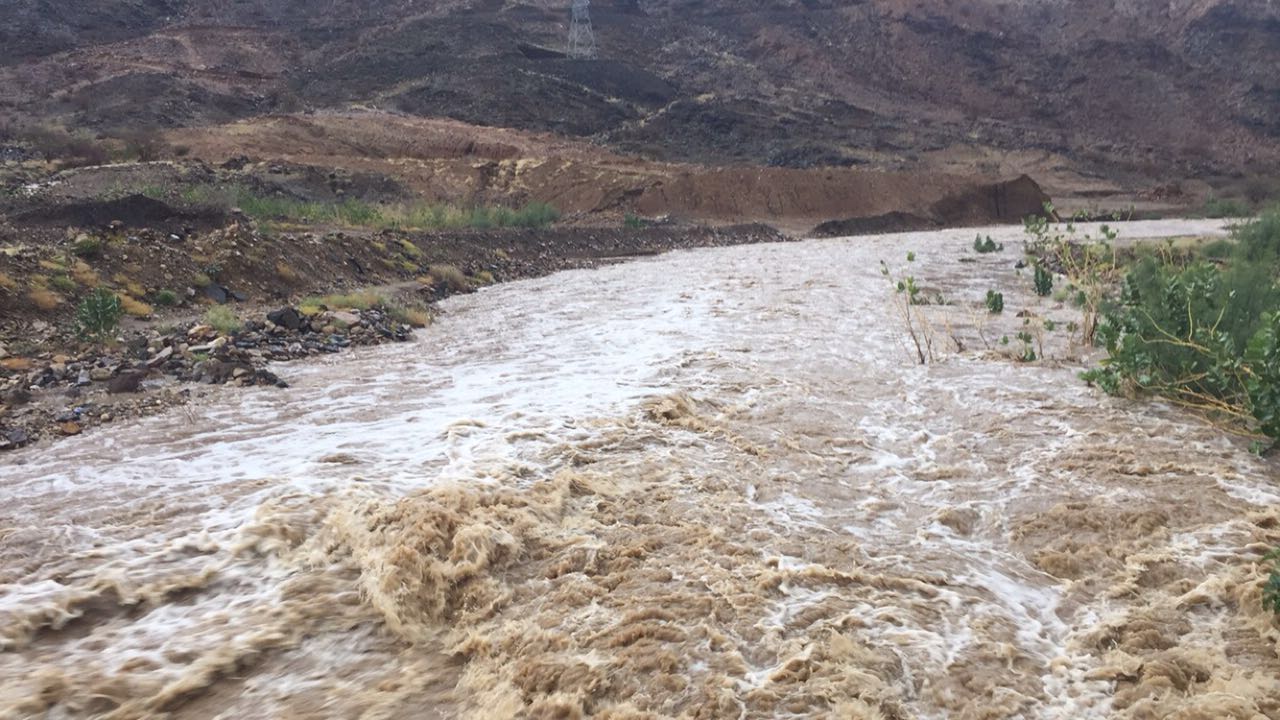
[[712, 484]]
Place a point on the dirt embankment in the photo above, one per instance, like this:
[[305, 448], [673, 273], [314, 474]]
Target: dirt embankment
[[450, 161]]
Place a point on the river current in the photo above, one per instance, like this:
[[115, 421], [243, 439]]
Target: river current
[[710, 484]]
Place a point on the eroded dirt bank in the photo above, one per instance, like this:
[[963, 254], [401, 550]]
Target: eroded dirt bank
[[709, 484]]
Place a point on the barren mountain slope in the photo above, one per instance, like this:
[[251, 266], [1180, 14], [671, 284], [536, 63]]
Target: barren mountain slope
[[1185, 89]]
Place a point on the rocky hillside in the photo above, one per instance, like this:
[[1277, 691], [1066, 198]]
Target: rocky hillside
[[1185, 89]]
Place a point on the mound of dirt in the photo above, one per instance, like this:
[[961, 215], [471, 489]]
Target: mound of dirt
[[991, 203], [876, 224], [132, 210]]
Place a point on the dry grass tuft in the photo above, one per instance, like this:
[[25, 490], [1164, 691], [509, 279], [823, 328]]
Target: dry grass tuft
[[133, 307], [44, 299], [452, 277], [286, 273], [84, 274], [8, 283]]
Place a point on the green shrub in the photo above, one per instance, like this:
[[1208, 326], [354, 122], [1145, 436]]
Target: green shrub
[[166, 298], [995, 301], [1028, 350], [632, 221], [986, 245], [1271, 590], [63, 283], [1224, 208], [223, 319], [98, 314], [1218, 249], [1043, 281], [87, 247], [1258, 242], [1203, 336]]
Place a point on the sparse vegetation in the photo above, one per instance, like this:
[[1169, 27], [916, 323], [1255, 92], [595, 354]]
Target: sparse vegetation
[[1271, 590], [1089, 264], [452, 277], [44, 299], [986, 245], [133, 306], [63, 283], [286, 273], [87, 246], [906, 299], [350, 301], [359, 213], [413, 317], [98, 314], [83, 274], [995, 302], [166, 298], [1225, 208], [223, 319], [632, 221], [70, 148], [1043, 281]]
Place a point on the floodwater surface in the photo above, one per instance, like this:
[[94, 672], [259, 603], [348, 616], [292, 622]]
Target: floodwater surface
[[712, 484]]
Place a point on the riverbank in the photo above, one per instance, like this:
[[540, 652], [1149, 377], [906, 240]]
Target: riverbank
[[239, 299]]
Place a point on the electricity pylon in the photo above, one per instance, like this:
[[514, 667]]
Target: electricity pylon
[[582, 39]]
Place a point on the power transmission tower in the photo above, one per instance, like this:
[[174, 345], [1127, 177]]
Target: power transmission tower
[[582, 40]]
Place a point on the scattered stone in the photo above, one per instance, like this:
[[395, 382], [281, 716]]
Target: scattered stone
[[13, 439], [160, 357], [17, 364], [349, 319], [18, 396], [287, 318], [100, 374], [70, 428], [130, 382], [216, 293]]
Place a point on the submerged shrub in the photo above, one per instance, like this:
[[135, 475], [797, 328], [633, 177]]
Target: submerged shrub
[[995, 301], [986, 245], [1043, 281]]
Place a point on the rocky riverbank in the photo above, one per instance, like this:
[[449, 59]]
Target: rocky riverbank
[[55, 384]]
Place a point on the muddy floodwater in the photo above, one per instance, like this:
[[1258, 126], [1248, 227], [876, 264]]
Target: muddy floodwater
[[711, 484]]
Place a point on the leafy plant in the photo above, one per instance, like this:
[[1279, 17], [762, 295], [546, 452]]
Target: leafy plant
[[1089, 264], [98, 314], [1043, 281], [986, 245], [1028, 350], [995, 301], [1224, 208], [1271, 590], [1204, 336], [87, 246], [906, 298]]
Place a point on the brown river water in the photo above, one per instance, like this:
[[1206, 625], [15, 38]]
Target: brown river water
[[711, 484]]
